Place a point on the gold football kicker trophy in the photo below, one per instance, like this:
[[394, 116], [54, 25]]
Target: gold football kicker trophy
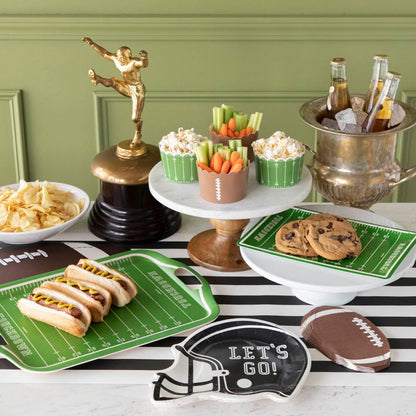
[[125, 211]]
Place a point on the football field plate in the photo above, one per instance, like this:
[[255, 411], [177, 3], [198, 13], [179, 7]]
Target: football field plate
[[164, 306]]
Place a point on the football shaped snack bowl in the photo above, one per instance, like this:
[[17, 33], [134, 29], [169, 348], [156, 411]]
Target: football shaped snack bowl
[[29, 237], [347, 338], [223, 188], [234, 360]]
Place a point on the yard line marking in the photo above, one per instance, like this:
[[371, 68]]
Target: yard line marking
[[23, 335], [392, 248], [124, 324], [373, 253], [164, 294], [136, 318], [47, 341]]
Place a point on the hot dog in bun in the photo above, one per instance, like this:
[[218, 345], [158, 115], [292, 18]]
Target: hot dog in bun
[[95, 297], [122, 289], [57, 309]]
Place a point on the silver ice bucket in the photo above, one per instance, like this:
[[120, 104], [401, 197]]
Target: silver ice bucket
[[356, 170]]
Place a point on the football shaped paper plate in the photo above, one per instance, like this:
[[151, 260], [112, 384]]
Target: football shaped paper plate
[[347, 338]]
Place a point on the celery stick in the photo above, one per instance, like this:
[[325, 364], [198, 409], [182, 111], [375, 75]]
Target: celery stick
[[228, 112], [259, 117], [226, 152], [240, 122], [255, 121], [218, 118], [210, 150], [201, 154], [251, 121], [234, 144], [217, 147], [243, 154], [207, 150]]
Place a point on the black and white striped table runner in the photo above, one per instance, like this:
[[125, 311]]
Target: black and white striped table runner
[[243, 294]]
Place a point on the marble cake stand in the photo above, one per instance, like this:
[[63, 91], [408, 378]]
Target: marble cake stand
[[319, 285], [216, 249]]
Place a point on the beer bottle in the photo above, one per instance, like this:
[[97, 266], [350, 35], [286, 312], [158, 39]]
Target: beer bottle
[[380, 115], [338, 96], [377, 80]]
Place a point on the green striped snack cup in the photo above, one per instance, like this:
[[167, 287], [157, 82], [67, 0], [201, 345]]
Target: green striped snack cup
[[278, 173], [179, 168]]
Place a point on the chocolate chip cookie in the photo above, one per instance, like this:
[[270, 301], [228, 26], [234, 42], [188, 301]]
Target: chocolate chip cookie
[[322, 216], [334, 240], [291, 238]]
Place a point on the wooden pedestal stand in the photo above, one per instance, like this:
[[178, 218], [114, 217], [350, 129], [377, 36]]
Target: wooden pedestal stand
[[217, 249]]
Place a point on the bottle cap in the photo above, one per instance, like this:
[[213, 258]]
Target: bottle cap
[[394, 74], [381, 57], [338, 61]]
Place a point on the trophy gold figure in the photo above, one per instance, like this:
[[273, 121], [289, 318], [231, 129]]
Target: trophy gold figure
[[131, 86]]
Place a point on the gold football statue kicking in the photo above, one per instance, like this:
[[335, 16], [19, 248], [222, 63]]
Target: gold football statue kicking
[[131, 86]]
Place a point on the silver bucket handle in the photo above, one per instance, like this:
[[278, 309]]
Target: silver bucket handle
[[405, 175]]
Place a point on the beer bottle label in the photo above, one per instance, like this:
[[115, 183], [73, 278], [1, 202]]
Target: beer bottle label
[[379, 87], [385, 111]]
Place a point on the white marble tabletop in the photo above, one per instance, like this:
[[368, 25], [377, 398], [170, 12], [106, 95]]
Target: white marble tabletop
[[107, 399]]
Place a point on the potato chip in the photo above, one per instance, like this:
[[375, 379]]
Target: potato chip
[[34, 206], [4, 214]]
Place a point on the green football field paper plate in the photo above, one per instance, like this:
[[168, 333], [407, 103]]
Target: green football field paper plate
[[164, 306], [383, 248]]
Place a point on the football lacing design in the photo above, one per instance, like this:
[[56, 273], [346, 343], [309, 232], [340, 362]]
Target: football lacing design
[[374, 338], [218, 189], [17, 258]]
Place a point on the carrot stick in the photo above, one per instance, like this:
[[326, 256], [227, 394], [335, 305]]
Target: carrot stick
[[231, 124], [249, 130], [226, 166], [242, 133], [236, 168], [236, 134], [223, 130], [237, 161], [204, 166], [234, 156], [217, 162], [230, 133]]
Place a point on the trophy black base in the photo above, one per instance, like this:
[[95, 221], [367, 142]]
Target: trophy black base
[[129, 214]]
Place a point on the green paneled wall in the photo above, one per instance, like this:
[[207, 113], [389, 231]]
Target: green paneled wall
[[268, 56]]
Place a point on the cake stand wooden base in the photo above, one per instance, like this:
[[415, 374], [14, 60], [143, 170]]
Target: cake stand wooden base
[[217, 249]]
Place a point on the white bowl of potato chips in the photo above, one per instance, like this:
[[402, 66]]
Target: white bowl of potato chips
[[34, 211]]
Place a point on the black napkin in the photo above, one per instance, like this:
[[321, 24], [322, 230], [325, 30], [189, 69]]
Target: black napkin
[[20, 261]]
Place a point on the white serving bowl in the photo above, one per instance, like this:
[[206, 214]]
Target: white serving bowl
[[28, 237]]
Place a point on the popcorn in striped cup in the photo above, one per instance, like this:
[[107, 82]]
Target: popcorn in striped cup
[[177, 152], [278, 160]]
